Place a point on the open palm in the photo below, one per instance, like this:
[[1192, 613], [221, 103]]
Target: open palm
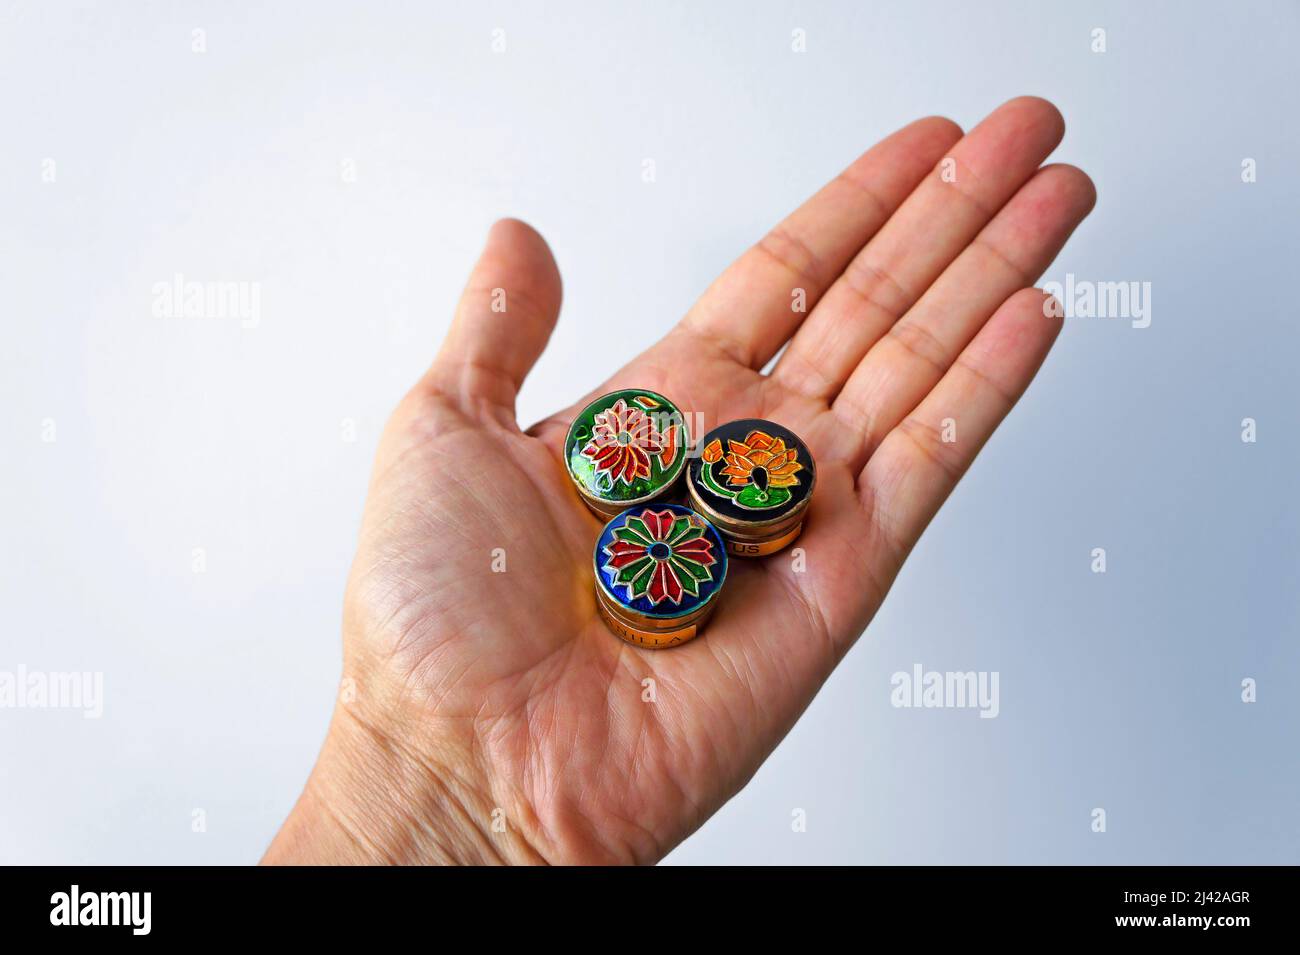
[[501, 719]]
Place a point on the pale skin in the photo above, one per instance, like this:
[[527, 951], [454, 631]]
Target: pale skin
[[494, 717]]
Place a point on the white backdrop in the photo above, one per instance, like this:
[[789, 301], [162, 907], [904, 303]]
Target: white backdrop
[[181, 494]]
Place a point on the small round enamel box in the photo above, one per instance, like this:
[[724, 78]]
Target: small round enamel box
[[659, 570], [626, 448], [753, 479]]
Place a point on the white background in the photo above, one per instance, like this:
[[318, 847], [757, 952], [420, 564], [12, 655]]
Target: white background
[[1119, 691]]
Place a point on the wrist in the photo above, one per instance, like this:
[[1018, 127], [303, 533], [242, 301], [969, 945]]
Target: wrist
[[372, 800]]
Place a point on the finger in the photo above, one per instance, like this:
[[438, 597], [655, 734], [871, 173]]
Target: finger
[[920, 461], [750, 310], [502, 323], [1009, 254], [930, 229]]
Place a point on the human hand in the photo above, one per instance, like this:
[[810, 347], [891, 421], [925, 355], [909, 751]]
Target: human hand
[[495, 717]]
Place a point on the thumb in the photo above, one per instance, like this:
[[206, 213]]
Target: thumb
[[502, 323]]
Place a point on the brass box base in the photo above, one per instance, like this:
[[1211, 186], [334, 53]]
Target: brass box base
[[647, 638]]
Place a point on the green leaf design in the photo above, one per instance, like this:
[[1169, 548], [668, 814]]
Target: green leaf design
[[639, 526], [711, 482], [628, 573], [754, 499], [691, 571], [685, 577], [627, 534], [684, 530], [642, 582]]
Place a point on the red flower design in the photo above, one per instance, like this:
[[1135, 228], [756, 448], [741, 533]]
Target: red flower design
[[622, 440], [661, 555]]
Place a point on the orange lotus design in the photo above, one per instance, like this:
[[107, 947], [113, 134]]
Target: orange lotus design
[[760, 459]]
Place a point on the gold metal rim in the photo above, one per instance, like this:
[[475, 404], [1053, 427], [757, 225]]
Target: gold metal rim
[[649, 624], [753, 530], [762, 548], [647, 639], [614, 508]]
